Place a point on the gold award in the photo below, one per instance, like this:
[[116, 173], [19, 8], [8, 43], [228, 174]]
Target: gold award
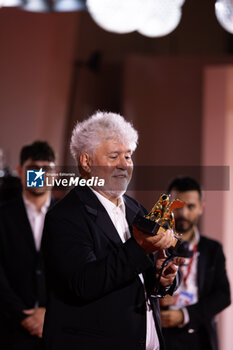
[[160, 218]]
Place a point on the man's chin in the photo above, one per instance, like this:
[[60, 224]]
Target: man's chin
[[117, 190], [36, 193], [183, 229], [114, 188]]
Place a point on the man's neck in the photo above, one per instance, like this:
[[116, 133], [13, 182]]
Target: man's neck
[[37, 201]]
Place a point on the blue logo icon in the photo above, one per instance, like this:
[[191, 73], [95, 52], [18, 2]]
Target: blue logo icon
[[35, 178]]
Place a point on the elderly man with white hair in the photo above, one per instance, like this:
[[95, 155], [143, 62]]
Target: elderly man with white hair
[[101, 271]]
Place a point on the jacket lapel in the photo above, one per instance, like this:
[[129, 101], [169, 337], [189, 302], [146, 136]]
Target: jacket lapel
[[131, 211], [23, 224], [99, 214], [105, 223], [201, 267]]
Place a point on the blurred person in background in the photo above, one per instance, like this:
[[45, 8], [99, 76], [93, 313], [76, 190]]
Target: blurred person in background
[[10, 185], [22, 283], [188, 317]]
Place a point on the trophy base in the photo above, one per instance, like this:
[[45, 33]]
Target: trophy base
[[152, 228]]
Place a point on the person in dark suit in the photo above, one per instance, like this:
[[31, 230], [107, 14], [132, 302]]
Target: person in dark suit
[[101, 271], [22, 282], [188, 317]]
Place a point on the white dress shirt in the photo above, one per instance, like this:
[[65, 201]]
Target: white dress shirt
[[118, 217], [36, 219]]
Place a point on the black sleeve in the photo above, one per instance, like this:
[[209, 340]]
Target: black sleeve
[[217, 299], [11, 304]]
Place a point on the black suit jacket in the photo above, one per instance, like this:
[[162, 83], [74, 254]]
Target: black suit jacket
[[214, 296], [96, 298], [22, 281]]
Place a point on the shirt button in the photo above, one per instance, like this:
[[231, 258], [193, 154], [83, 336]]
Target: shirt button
[[190, 331], [141, 341]]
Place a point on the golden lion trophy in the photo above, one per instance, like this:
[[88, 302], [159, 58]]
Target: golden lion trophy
[[160, 219]]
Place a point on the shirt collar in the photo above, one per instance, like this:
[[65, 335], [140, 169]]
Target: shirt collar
[[109, 204], [30, 205], [196, 237]]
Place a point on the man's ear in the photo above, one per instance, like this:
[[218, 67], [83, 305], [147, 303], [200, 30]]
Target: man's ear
[[19, 171], [85, 162], [21, 174], [202, 205]]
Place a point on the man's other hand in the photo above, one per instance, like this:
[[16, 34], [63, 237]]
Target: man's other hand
[[167, 301], [34, 321], [170, 270], [151, 244], [171, 318]]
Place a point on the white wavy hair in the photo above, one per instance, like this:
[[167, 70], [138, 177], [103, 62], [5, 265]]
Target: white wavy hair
[[101, 126]]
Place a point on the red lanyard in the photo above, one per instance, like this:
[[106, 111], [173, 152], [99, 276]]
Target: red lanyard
[[185, 277]]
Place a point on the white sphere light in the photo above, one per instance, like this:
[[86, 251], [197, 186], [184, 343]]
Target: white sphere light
[[36, 6], [10, 3], [224, 14], [153, 18], [68, 5], [119, 16], [162, 18], [180, 2]]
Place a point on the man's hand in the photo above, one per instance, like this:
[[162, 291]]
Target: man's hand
[[35, 321], [172, 318], [151, 244], [166, 301], [169, 271]]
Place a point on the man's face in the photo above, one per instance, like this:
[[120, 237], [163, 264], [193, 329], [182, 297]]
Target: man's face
[[30, 164], [112, 162], [188, 216]]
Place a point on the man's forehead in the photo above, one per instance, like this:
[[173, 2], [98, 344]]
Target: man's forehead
[[115, 145], [117, 150], [31, 162], [187, 196]]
